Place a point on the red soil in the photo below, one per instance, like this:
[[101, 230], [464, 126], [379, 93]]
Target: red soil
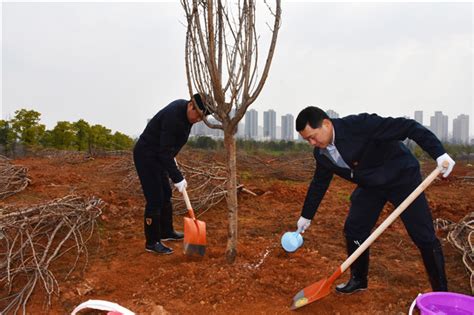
[[264, 278]]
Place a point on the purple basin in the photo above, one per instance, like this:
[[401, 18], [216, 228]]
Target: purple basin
[[445, 303]]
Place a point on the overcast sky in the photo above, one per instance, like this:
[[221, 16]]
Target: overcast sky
[[117, 64]]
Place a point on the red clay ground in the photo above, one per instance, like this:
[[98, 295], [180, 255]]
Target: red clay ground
[[264, 278]]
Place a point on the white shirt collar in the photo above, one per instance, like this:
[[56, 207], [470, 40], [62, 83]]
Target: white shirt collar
[[332, 145]]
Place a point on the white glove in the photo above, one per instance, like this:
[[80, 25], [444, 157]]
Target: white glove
[[303, 224], [181, 185], [445, 170]]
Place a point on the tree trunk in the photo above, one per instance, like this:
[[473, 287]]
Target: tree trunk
[[231, 197]]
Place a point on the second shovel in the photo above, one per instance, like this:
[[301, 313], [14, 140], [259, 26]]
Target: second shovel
[[194, 231]]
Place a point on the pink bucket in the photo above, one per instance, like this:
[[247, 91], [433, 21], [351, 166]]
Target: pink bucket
[[441, 303]]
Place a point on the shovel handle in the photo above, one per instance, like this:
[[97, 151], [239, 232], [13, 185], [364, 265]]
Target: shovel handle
[[188, 204], [389, 220]]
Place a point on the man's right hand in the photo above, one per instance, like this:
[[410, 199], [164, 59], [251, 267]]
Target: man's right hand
[[303, 224], [181, 185], [441, 160]]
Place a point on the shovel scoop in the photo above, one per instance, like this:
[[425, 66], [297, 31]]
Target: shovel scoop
[[194, 231]]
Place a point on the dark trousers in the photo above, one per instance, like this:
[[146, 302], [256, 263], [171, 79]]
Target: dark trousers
[[366, 205], [154, 181]]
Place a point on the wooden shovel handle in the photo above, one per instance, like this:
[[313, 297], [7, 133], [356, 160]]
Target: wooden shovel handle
[[389, 220], [188, 204]]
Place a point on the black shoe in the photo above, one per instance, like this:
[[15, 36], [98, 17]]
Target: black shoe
[[173, 236], [359, 269], [353, 285], [158, 248]]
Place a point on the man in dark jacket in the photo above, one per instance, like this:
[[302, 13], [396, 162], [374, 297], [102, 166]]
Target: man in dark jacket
[[154, 156], [368, 150]]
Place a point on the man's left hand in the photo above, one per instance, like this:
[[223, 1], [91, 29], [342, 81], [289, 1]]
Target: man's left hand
[[441, 160], [181, 185]]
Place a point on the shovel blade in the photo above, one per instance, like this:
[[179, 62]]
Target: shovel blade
[[315, 291], [194, 237], [311, 293]]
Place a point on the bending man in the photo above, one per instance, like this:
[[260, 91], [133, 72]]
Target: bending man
[[368, 150]]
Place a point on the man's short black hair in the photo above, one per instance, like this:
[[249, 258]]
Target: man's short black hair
[[202, 101], [311, 115]]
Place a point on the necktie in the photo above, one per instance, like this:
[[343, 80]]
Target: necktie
[[336, 156]]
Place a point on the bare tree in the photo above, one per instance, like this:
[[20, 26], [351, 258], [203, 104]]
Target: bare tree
[[222, 60]]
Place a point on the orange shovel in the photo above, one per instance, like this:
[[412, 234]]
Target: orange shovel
[[194, 231], [320, 289]]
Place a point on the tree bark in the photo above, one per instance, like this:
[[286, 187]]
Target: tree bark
[[231, 197]]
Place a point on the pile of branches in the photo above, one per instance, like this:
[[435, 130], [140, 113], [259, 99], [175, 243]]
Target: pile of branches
[[206, 182], [295, 167], [109, 153], [206, 186], [124, 164], [461, 236], [76, 157], [467, 179], [64, 156], [33, 238], [13, 178]]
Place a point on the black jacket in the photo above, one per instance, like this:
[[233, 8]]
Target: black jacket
[[165, 134], [372, 147]]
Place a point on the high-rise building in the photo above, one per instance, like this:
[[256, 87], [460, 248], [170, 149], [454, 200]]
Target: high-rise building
[[461, 129], [287, 127], [269, 124], [251, 124], [439, 125], [332, 114], [419, 116]]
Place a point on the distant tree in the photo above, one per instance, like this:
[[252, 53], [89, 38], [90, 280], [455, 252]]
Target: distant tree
[[100, 138], [121, 141], [4, 129], [7, 136], [82, 131], [46, 140], [26, 126], [63, 136]]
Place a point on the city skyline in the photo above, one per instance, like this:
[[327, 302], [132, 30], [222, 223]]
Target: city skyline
[[252, 129], [105, 62]]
